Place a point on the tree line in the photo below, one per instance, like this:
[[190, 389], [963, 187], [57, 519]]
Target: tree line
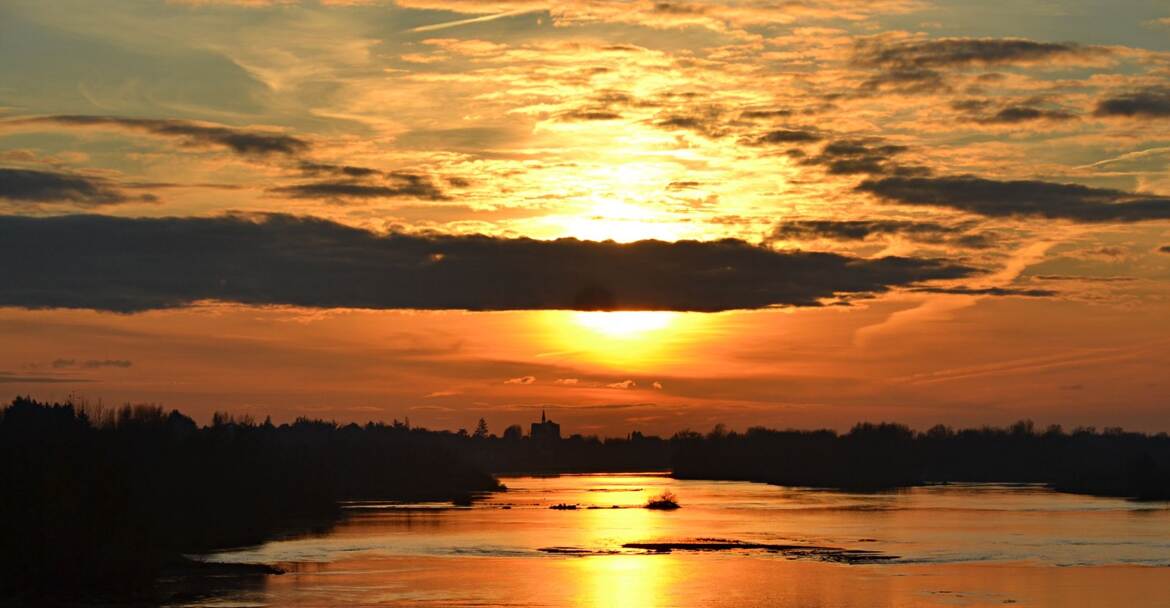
[[871, 456], [105, 499]]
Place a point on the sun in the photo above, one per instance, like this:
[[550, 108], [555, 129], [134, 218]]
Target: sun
[[629, 340], [624, 324]]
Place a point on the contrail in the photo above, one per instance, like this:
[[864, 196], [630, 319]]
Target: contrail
[[1127, 156], [443, 26]]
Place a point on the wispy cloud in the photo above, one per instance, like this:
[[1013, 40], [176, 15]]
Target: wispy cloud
[[249, 142]]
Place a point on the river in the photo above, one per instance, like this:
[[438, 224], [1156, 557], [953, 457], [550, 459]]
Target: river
[[947, 545]]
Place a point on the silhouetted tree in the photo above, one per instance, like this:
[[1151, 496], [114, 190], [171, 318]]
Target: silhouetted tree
[[877, 456], [103, 499]]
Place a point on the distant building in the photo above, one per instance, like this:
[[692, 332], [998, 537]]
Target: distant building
[[514, 432], [545, 430]]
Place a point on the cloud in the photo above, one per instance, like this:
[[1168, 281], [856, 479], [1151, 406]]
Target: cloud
[[521, 380], [312, 169], [127, 265], [10, 378], [246, 142], [354, 182], [1018, 114], [912, 66], [588, 115], [90, 363], [1151, 102], [1021, 198], [986, 111], [1093, 279], [567, 381], [656, 385], [988, 291], [788, 136], [906, 81], [765, 114], [963, 52], [624, 385], [395, 185], [705, 121], [859, 230], [665, 15], [33, 186], [1105, 253], [853, 156]]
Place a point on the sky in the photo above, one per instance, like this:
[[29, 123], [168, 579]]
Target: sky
[[633, 215]]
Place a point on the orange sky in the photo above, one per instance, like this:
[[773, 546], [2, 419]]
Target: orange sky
[[987, 193]]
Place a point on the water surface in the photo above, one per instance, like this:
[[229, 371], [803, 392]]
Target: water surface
[[968, 545]]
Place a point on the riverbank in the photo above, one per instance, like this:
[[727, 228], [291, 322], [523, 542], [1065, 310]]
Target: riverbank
[[99, 503]]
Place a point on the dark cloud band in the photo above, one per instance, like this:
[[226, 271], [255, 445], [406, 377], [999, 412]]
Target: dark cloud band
[[919, 66], [1013, 115], [395, 186], [860, 156], [958, 52], [1027, 198], [1151, 102], [52, 187], [241, 141], [128, 265], [989, 291], [789, 136], [860, 230]]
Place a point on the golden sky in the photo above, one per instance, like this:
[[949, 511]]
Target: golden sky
[[805, 213]]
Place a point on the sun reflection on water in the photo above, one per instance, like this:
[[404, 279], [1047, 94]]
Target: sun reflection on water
[[624, 580], [620, 580]]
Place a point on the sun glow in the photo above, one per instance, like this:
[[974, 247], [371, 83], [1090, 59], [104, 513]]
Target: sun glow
[[630, 340], [621, 222], [624, 324]]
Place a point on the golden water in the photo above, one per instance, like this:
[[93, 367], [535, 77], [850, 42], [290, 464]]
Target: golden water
[[957, 545]]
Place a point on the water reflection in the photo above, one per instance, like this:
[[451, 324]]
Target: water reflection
[[959, 545], [624, 580]]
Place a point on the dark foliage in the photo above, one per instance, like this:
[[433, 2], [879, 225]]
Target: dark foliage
[[883, 456], [104, 500], [515, 453]]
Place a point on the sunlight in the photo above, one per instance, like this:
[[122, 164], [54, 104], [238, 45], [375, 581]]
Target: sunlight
[[625, 202], [621, 222], [624, 580], [624, 324], [630, 340]]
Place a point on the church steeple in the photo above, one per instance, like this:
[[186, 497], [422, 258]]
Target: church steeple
[[545, 430]]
